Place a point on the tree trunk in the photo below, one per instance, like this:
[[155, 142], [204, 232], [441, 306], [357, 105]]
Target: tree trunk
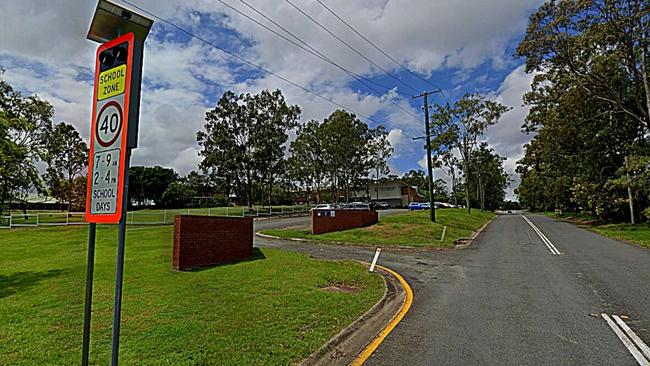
[[249, 189], [377, 184], [469, 209], [646, 81], [453, 187], [270, 188], [480, 193], [70, 195], [630, 198]]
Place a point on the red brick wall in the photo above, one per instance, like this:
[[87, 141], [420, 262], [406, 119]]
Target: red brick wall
[[204, 240], [342, 220]]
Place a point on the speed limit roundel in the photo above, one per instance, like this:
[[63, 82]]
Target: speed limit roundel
[[109, 124]]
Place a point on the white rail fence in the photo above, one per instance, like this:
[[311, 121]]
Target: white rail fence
[[158, 217]]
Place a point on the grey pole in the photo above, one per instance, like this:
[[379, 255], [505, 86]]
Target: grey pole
[[432, 210], [89, 293], [119, 271]]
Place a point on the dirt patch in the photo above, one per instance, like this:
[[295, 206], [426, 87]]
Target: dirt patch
[[342, 288]]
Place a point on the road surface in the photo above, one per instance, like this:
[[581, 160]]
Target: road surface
[[510, 299]]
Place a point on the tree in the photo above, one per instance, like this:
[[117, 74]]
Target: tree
[[468, 119], [346, 142], [177, 195], [582, 38], [273, 118], [244, 139], [451, 163], [66, 155], [379, 150], [24, 121], [148, 184], [489, 178], [589, 105], [440, 191], [307, 162], [417, 178]]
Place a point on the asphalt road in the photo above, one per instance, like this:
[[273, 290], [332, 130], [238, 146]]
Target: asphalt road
[[507, 300]]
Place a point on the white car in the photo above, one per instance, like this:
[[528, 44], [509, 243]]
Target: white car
[[325, 206]]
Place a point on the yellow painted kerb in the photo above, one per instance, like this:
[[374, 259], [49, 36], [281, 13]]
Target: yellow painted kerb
[[408, 301]]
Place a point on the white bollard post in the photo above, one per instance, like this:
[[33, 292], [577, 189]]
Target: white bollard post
[[444, 231], [10, 218], [164, 217], [37, 216], [67, 217], [374, 260]]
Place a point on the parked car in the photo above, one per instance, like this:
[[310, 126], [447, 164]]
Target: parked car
[[415, 206], [382, 205], [361, 206], [325, 206]]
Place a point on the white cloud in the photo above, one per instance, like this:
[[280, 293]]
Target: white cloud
[[43, 48], [506, 137]]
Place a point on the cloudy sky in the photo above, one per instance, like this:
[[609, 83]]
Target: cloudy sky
[[459, 45]]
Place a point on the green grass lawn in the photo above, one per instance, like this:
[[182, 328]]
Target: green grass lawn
[[411, 229], [268, 311], [638, 234]]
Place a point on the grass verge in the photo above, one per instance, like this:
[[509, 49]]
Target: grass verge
[[411, 229], [637, 234], [267, 311]]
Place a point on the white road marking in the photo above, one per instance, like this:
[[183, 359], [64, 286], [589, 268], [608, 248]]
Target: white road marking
[[630, 333], [626, 341], [374, 260], [541, 235]]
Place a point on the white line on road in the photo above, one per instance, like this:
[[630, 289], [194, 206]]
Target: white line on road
[[630, 333], [626, 341], [541, 235]]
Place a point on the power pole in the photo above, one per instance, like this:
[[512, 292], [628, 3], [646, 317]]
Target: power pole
[[425, 95]]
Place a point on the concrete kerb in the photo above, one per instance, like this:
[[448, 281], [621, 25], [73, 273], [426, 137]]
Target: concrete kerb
[[466, 242], [392, 248], [281, 216], [344, 348]]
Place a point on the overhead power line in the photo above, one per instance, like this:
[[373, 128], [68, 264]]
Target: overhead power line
[[350, 47], [261, 68], [314, 52], [376, 47]]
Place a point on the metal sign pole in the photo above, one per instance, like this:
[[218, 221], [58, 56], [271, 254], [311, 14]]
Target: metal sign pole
[[89, 293], [114, 133], [119, 271]]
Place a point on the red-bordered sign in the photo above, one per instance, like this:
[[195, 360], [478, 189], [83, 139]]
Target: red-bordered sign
[[105, 189]]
